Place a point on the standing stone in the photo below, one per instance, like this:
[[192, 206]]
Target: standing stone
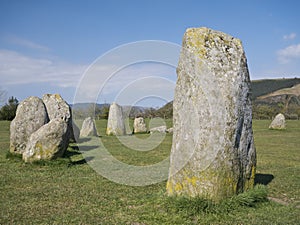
[[57, 107], [48, 142], [30, 116], [88, 128], [213, 153], [115, 123], [139, 125], [278, 123]]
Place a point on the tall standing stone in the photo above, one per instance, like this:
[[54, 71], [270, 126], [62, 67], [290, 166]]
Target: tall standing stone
[[278, 122], [30, 116], [139, 125], [213, 153], [115, 123]]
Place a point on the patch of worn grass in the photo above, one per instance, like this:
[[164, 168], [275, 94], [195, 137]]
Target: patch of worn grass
[[71, 192]]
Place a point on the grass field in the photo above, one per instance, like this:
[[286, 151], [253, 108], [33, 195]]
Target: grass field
[[69, 191]]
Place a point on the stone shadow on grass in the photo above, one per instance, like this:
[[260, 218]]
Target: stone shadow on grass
[[88, 148], [264, 179], [82, 161], [84, 139], [69, 153]]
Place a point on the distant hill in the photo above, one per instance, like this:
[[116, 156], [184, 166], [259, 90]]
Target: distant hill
[[264, 87], [87, 105], [269, 97], [83, 110], [293, 91], [285, 100], [166, 111]]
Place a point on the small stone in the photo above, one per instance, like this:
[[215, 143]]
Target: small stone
[[139, 125], [278, 122], [115, 123], [30, 116], [160, 129], [170, 130], [48, 142], [88, 128]]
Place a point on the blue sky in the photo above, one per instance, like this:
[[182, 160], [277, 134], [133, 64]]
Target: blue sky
[[46, 46]]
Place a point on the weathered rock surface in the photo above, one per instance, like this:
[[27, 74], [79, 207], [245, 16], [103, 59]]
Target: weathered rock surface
[[57, 107], [278, 122], [115, 123], [139, 125], [88, 128], [48, 142], [160, 129], [30, 116], [213, 153]]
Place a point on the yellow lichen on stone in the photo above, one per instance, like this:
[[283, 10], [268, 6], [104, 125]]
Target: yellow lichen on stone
[[39, 146], [192, 180], [178, 187], [169, 188], [196, 42], [250, 182], [57, 96]]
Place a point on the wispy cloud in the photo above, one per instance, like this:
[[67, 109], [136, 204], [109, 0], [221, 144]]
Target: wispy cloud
[[108, 82], [16, 68], [289, 53], [25, 43], [290, 36]]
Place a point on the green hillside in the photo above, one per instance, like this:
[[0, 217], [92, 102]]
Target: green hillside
[[266, 108], [264, 87]]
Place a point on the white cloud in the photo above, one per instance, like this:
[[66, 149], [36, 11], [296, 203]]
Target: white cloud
[[290, 36], [289, 53], [26, 43], [16, 68], [106, 82]]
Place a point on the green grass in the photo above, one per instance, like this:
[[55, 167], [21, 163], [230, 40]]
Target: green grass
[[69, 191]]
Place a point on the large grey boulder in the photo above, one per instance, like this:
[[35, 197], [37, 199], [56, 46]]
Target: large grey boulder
[[213, 153], [115, 123], [30, 116], [48, 142], [139, 125], [57, 107], [278, 122], [88, 128]]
